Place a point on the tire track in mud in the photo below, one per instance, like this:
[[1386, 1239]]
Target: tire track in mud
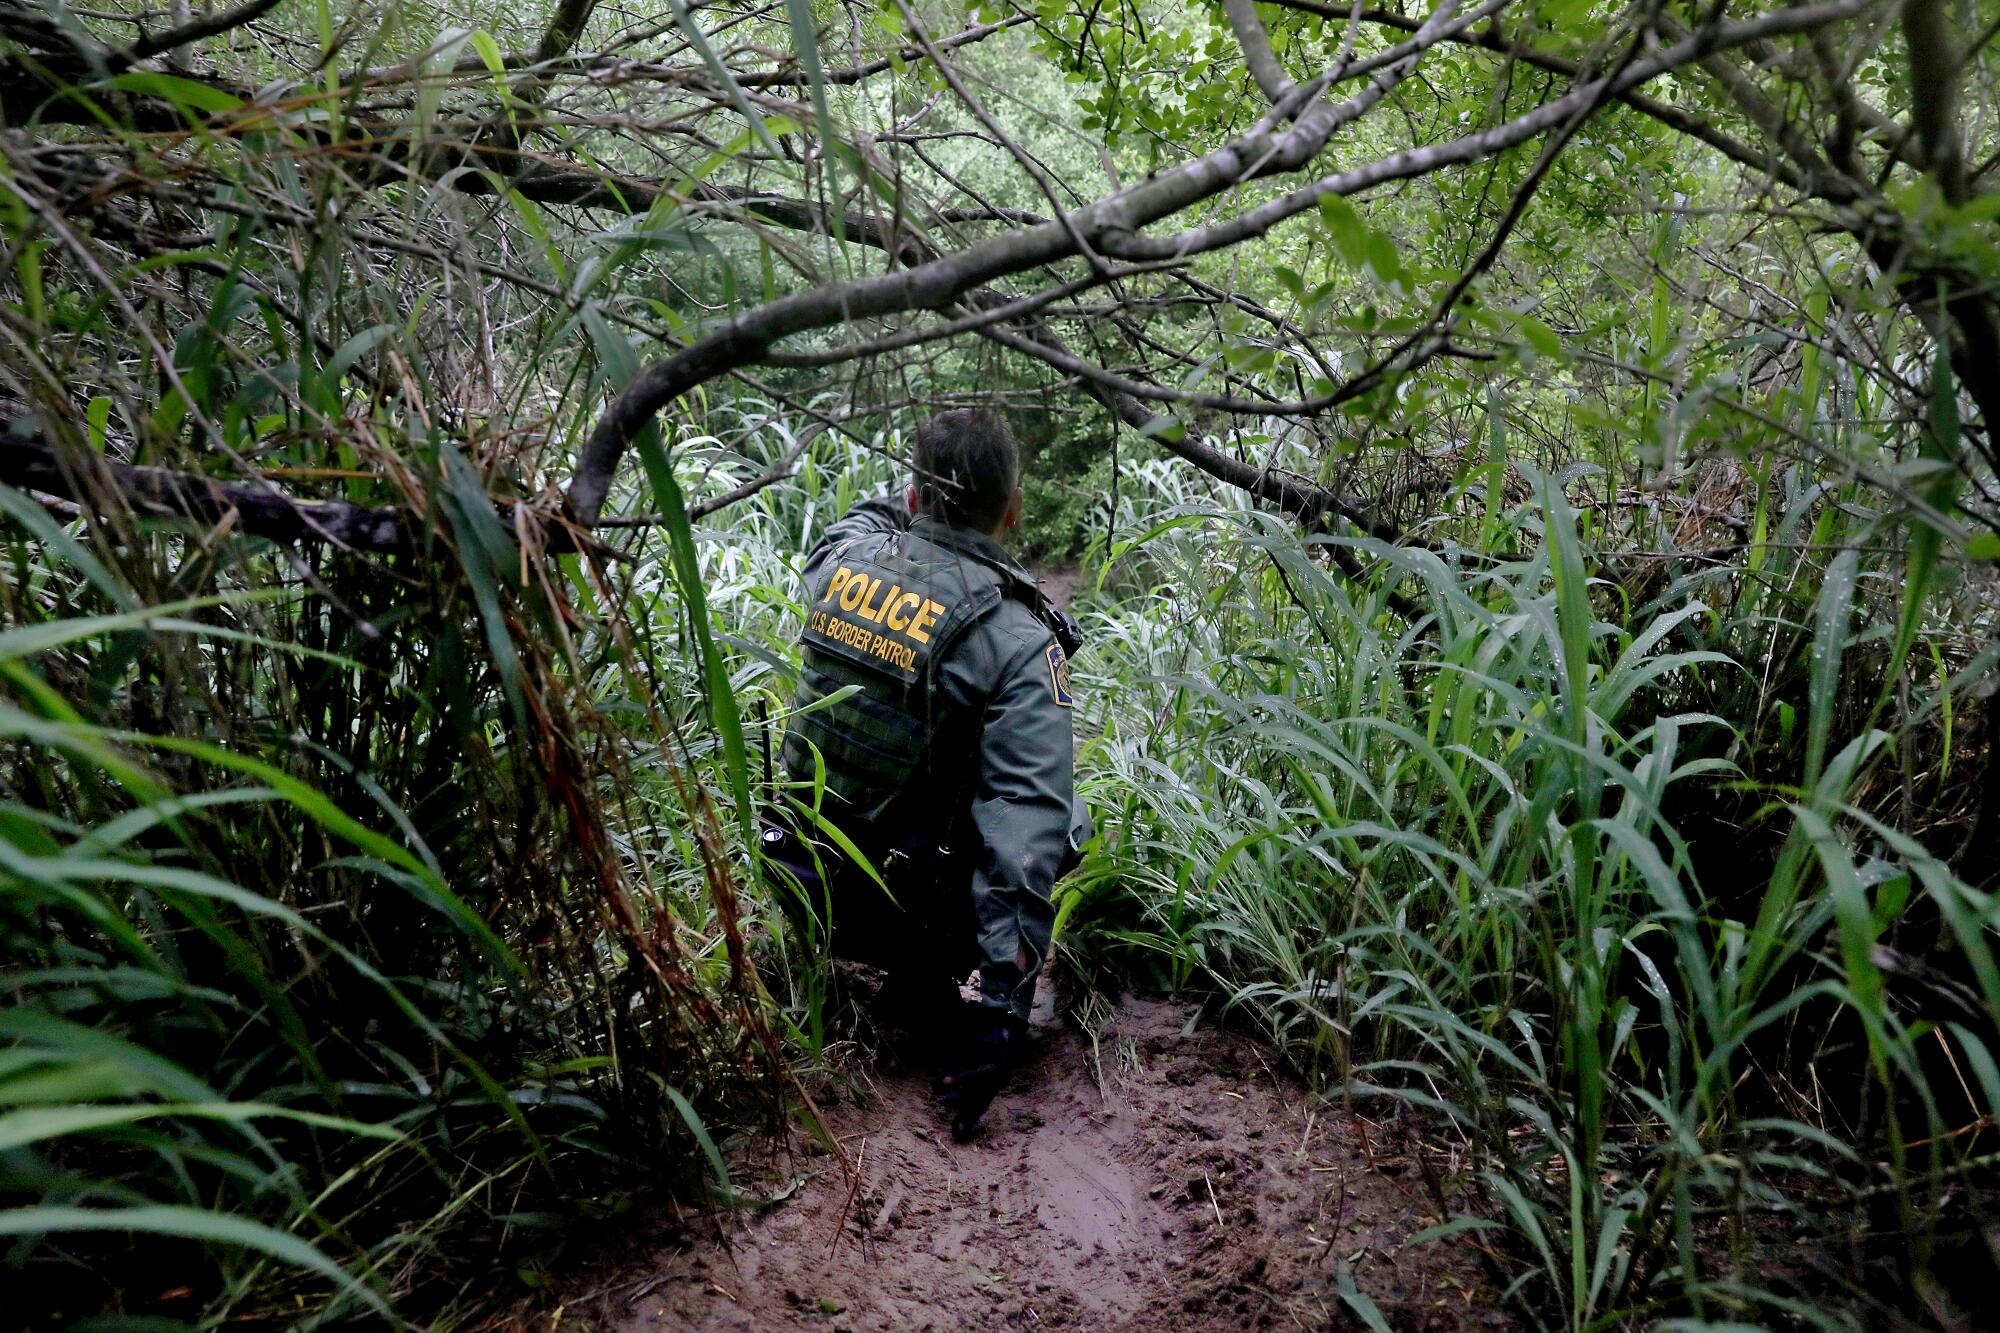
[[1156, 1178]]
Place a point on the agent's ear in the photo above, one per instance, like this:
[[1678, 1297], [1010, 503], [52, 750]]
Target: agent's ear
[[1012, 517], [910, 498]]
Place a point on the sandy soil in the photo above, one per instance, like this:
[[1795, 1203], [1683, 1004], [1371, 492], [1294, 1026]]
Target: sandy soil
[[1151, 1177]]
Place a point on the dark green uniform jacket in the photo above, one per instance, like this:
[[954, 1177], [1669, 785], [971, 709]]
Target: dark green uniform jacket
[[958, 736]]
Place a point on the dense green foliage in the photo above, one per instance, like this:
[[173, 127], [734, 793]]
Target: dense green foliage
[[329, 973], [1527, 870], [1582, 741]]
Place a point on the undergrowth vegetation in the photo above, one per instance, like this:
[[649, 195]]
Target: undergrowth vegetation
[[1539, 583], [330, 980], [1606, 878], [1603, 871]]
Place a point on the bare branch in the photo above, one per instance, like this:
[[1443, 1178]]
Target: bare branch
[[1256, 43], [261, 511], [969, 102], [849, 74], [564, 29], [627, 69], [1454, 152], [1492, 39], [24, 23], [1934, 70], [212, 25], [1113, 224], [28, 462]]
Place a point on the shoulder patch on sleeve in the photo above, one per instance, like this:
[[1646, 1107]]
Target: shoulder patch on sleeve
[[1059, 676]]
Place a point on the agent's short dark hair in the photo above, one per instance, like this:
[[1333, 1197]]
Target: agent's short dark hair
[[966, 465]]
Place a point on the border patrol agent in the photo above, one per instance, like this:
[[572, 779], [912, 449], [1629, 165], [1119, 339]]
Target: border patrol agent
[[949, 762]]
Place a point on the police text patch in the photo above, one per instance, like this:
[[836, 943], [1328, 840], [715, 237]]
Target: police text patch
[[877, 621], [1059, 675]]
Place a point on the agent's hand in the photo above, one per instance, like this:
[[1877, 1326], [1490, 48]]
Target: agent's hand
[[977, 1066]]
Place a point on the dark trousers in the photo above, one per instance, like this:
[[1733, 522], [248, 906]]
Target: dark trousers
[[920, 931]]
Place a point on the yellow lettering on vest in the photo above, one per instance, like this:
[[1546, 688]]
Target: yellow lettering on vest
[[838, 581], [859, 591], [924, 619], [870, 611], [897, 613], [875, 613]]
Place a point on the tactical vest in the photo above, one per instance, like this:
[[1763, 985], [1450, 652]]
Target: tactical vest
[[883, 623]]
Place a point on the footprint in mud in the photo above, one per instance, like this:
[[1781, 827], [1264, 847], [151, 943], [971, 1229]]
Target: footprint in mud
[[1087, 1201], [1179, 1184]]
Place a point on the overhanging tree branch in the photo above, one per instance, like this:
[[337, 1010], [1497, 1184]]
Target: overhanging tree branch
[[1113, 225], [261, 511], [967, 284], [749, 335], [1491, 38], [211, 25], [1269, 75]]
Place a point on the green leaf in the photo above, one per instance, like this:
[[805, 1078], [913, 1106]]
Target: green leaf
[[483, 548], [112, 1060], [191, 1224], [693, 35], [530, 214], [45, 529], [1348, 232], [36, 1124], [805, 42], [98, 415], [1538, 336], [488, 51], [620, 365], [1358, 1300], [182, 92], [1384, 260], [701, 1137], [1831, 616], [354, 349], [27, 640], [1568, 16]]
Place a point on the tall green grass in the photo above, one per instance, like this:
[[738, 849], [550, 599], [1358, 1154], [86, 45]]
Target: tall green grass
[[1444, 864], [365, 922], [335, 1001], [328, 986]]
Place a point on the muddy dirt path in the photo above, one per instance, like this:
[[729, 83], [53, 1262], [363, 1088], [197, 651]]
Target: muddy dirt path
[[1060, 583], [1150, 1178]]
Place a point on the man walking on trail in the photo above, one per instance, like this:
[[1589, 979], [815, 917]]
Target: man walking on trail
[[948, 762]]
